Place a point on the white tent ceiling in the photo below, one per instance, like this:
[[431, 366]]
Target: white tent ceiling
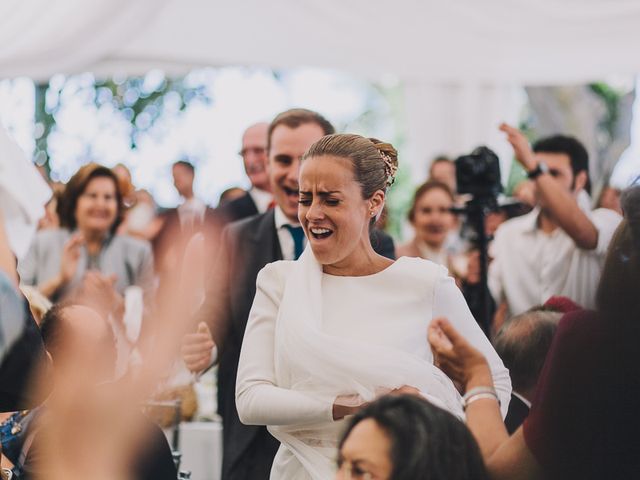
[[459, 60], [457, 41]]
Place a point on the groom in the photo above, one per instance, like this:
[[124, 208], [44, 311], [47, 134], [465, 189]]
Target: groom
[[246, 247]]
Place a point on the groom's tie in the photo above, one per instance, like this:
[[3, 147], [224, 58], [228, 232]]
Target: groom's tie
[[298, 239]]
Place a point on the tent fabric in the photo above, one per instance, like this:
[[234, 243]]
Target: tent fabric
[[460, 61], [493, 41]]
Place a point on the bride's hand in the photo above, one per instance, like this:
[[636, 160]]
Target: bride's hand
[[406, 390], [345, 405]]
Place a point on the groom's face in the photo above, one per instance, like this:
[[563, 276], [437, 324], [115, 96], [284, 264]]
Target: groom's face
[[287, 147]]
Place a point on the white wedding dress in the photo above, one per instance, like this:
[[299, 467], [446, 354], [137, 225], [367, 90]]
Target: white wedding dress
[[312, 336]]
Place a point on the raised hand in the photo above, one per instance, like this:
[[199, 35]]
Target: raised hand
[[456, 357], [520, 144], [196, 348], [70, 256]]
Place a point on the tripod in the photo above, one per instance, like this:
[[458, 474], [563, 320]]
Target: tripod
[[476, 211]]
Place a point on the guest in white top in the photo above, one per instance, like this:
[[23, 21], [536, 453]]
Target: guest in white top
[[558, 248], [342, 325], [191, 212]]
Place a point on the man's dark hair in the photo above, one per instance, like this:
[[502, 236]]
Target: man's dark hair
[[299, 116], [186, 164], [523, 343], [426, 441], [51, 327], [570, 146]]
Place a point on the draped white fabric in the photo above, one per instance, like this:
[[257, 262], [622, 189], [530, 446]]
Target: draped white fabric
[[39, 38], [325, 366], [494, 41]]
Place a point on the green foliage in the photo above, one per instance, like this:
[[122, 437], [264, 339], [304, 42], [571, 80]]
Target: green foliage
[[611, 98], [44, 124], [141, 101]]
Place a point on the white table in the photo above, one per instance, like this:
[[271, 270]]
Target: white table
[[201, 449]]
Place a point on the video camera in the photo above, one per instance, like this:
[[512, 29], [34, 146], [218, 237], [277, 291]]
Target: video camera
[[478, 174]]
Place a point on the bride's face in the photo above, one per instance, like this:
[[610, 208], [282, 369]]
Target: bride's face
[[332, 211]]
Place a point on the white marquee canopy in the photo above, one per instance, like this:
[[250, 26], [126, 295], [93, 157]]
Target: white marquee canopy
[[458, 59]]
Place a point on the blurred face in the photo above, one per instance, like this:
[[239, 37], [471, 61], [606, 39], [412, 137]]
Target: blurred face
[[87, 354], [183, 180], [365, 454], [97, 206], [444, 172], [254, 155], [432, 217], [560, 169], [332, 211], [287, 147], [610, 198]]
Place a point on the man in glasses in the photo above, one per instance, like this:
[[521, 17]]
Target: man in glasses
[[254, 156], [558, 248]]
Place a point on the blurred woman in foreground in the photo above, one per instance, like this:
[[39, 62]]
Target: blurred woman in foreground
[[404, 437]]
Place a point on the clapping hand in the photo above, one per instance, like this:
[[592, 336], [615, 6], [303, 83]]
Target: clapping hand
[[196, 348], [70, 256], [456, 357], [98, 291]]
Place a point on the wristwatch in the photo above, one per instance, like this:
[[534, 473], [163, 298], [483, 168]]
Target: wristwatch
[[539, 170]]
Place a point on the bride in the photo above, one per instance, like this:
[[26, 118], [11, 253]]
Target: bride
[[342, 325]]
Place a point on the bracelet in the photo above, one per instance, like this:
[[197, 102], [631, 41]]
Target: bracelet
[[478, 393], [480, 396]]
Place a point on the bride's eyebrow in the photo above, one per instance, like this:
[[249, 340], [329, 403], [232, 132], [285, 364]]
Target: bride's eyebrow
[[328, 192], [321, 193]]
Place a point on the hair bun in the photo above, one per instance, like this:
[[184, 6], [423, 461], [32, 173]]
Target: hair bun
[[389, 156]]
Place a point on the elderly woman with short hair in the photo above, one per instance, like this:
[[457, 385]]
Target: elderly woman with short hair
[[85, 257]]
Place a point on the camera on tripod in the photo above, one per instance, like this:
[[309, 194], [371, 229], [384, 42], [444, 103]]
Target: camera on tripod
[[478, 174]]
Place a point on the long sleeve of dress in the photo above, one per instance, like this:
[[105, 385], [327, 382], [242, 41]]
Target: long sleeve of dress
[[449, 302], [258, 400]]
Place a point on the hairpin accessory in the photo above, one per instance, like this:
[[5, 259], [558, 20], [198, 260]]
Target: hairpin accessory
[[390, 168]]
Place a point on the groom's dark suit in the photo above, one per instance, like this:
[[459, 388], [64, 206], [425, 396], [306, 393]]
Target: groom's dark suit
[[245, 248]]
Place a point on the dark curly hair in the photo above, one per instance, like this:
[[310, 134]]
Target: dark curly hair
[[618, 288], [427, 442], [76, 186], [572, 148]]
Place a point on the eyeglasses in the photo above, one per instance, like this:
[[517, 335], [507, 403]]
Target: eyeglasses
[[255, 150]]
